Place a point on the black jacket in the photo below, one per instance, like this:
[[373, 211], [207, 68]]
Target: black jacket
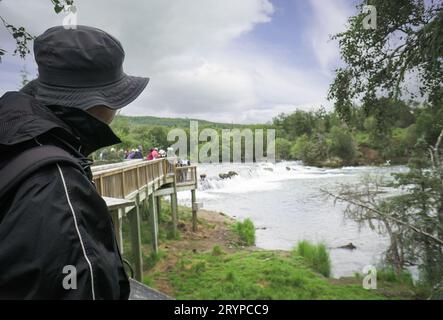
[[55, 217]]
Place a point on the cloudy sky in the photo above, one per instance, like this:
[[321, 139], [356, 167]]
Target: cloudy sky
[[242, 61]]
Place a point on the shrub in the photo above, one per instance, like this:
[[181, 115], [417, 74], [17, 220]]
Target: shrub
[[389, 275], [217, 251], [311, 150], [342, 145], [316, 256], [246, 231], [283, 149]]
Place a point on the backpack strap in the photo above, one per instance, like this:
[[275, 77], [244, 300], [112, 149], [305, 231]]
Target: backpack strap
[[30, 160]]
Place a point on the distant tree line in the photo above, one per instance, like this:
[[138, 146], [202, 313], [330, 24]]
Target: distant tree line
[[386, 132]]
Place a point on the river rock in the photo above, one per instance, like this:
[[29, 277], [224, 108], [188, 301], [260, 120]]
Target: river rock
[[228, 175], [349, 246]]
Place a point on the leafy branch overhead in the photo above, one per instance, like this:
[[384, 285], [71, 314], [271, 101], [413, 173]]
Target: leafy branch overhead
[[23, 37], [406, 46], [60, 5]]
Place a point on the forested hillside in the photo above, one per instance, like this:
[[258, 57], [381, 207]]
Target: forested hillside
[[385, 133]]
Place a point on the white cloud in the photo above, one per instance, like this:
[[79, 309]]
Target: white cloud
[[329, 18], [185, 47]]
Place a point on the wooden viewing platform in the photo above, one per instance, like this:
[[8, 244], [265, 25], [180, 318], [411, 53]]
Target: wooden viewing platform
[[127, 186]]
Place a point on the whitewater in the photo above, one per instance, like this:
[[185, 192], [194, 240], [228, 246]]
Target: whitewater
[[285, 202]]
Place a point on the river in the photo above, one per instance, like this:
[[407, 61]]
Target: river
[[286, 205]]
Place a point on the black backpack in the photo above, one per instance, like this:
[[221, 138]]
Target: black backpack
[[30, 160]]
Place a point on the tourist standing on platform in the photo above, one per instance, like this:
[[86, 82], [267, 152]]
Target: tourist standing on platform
[[54, 225]]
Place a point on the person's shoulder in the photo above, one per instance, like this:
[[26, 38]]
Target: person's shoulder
[[16, 103], [11, 96], [56, 173], [12, 100]]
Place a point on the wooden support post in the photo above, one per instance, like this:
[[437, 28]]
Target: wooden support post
[[194, 211], [102, 188], [123, 183], [174, 202], [138, 178], [117, 220], [145, 214], [174, 213], [159, 205], [116, 209], [153, 222], [134, 220]]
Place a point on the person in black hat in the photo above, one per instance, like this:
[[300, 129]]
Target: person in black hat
[[57, 239]]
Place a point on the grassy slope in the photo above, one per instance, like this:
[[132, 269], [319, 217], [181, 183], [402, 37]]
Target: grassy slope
[[173, 122], [256, 275], [189, 267]]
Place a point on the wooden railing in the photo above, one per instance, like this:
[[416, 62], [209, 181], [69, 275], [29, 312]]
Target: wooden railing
[[122, 181], [186, 175], [127, 186]]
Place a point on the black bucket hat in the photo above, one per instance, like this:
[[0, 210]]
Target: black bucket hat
[[82, 68]]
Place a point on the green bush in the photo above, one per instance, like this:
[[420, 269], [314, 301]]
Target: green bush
[[246, 231], [316, 256], [342, 145], [283, 149], [311, 150]]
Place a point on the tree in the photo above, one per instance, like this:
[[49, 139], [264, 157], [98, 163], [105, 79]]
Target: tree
[[408, 41], [430, 118], [283, 149], [159, 137], [23, 37], [311, 150], [342, 145], [413, 220], [296, 124]]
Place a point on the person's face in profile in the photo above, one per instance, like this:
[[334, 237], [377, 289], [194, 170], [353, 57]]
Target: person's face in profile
[[102, 113]]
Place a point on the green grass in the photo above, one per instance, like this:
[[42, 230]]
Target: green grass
[[389, 275], [217, 251], [362, 138], [316, 256], [221, 274], [256, 275], [245, 231]]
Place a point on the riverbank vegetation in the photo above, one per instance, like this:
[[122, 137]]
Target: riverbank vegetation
[[323, 138], [316, 256], [380, 65], [245, 231], [215, 263]]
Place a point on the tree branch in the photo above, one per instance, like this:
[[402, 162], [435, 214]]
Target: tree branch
[[379, 213]]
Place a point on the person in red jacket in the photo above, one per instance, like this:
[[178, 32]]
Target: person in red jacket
[[153, 154]]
